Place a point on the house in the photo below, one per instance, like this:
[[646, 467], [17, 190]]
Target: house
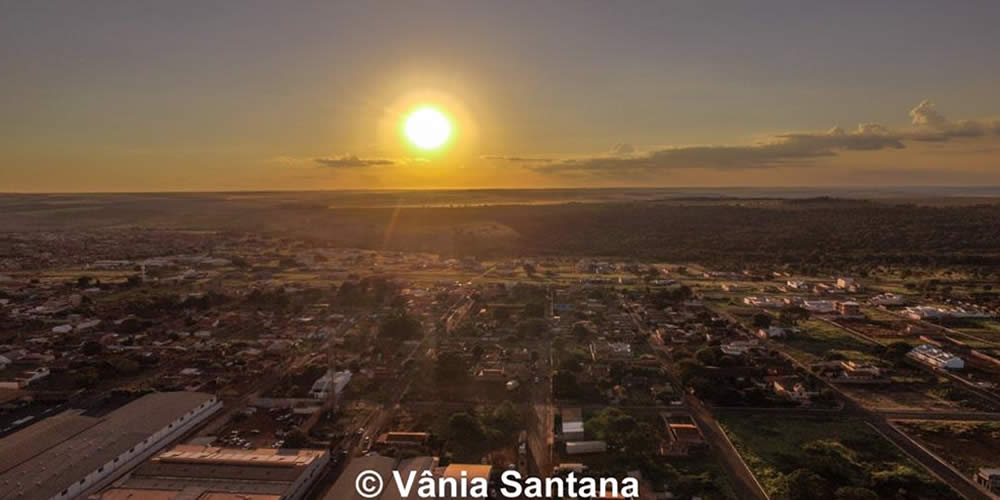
[[860, 371], [797, 285], [846, 283], [850, 309], [330, 382], [819, 306], [764, 301], [25, 378], [739, 347], [405, 439], [775, 332], [989, 478], [936, 357], [683, 436], [572, 424], [888, 299], [930, 312], [792, 387], [586, 447], [614, 351]]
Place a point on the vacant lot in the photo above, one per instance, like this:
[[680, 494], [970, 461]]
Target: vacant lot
[[819, 339], [842, 453], [965, 445]]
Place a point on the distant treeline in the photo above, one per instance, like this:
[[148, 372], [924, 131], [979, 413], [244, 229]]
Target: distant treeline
[[825, 233]]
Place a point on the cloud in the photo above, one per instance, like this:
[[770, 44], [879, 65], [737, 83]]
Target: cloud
[[780, 150], [789, 149], [935, 127], [515, 159], [351, 161], [622, 149]]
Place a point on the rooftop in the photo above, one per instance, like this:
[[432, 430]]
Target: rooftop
[[45, 458]]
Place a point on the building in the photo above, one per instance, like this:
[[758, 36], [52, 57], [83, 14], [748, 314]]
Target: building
[[846, 283], [205, 472], [70, 454], [775, 332], [683, 436], [330, 383], [792, 387], [585, 447], [989, 479], [25, 378], [739, 347], [888, 299], [572, 424], [850, 309], [611, 351], [856, 370], [931, 312], [403, 439], [936, 357], [819, 306]]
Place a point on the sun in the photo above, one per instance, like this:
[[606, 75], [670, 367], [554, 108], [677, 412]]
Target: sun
[[427, 128]]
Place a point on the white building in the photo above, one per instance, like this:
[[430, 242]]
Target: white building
[[936, 358], [335, 382], [585, 447], [739, 347], [931, 312], [888, 299], [572, 424], [819, 306]]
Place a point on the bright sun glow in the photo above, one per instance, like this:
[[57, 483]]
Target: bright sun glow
[[427, 128]]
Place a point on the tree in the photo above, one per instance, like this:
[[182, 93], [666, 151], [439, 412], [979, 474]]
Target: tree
[[532, 327], [92, 348], [833, 461], [450, 369], [580, 332], [708, 356], [897, 350], [399, 326], [295, 439], [564, 385], [761, 320], [854, 493], [534, 310], [801, 484], [465, 435]]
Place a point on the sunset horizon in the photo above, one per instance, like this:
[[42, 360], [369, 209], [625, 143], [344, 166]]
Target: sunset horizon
[[111, 97]]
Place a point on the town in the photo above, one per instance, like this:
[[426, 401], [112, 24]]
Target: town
[[200, 364]]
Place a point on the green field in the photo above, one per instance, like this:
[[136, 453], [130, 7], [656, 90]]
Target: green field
[[842, 453], [817, 339]]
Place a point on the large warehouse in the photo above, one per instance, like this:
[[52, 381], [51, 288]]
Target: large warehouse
[[70, 454], [206, 472]]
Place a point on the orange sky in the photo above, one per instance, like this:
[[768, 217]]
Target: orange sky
[[256, 96]]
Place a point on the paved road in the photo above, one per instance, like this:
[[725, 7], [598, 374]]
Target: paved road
[[744, 483], [943, 471]]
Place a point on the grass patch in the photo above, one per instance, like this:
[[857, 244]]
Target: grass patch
[[843, 452], [817, 339]]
